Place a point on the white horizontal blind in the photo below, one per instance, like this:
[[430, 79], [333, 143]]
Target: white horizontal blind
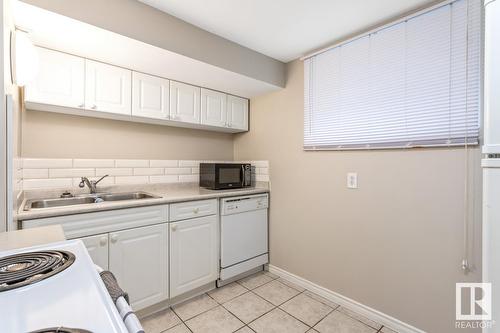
[[414, 83]]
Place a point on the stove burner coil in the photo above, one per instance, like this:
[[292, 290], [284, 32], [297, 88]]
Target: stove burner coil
[[22, 269], [61, 330]]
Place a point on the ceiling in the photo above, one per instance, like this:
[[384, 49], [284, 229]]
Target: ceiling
[[285, 29]]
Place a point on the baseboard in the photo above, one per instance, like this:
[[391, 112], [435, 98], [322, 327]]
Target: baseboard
[[377, 316]]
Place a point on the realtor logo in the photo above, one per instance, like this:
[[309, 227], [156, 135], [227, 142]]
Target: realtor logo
[[473, 301]]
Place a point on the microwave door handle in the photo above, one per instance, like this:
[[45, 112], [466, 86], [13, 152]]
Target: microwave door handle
[[242, 176]]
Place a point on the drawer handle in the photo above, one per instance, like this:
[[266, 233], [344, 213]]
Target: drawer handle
[[114, 238], [174, 227], [103, 241], [196, 210]]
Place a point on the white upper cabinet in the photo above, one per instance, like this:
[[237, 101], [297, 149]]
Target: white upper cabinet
[[60, 80], [213, 108], [108, 88], [75, 85], [237, 111], [150, 96], [184, 102]]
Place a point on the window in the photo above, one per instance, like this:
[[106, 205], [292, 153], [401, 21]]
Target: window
[[409, 84]]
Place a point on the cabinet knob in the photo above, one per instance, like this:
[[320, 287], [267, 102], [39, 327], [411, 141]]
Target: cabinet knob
[[93, 107], [174, 227], [103, 241], [196, 210], [114, 238]]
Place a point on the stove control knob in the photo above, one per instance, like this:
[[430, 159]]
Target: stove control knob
[[103, 241], [114, 238]]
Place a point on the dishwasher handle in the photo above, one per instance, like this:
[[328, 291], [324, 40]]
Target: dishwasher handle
[[238, 205]]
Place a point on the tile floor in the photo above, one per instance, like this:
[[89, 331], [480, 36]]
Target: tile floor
[[262, 303]]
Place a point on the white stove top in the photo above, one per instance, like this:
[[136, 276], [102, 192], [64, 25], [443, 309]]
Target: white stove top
[[75, 297]]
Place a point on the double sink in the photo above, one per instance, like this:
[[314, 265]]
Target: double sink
[[86, 199]]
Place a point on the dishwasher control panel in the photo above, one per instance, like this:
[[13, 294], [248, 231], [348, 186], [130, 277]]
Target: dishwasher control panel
[[242, 204]]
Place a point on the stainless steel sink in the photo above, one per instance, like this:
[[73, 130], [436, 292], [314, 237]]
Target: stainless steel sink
[[127, 196], [86, 199]]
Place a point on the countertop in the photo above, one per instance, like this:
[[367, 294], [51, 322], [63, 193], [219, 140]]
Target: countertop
[[168, 193], [31, 237]]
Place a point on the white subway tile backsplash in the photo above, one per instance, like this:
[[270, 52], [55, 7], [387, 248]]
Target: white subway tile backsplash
[[132, 163], [105, 181], [71, 173], [114, 172], [93, 163], [30, 184], [190, 164], [260, 164], [35, 173], [131, 180], [163, 179], [163, 163], [262, 178], [189, 178], [262, 171], [47, 163], [178, 171], [66, 173], [148, 171]]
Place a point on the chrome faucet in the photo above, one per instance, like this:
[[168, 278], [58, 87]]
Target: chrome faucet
[[92, 184]]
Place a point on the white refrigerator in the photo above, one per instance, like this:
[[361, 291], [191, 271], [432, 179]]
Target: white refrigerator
[[491, 160]]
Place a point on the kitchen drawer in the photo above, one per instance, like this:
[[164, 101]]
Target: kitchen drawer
[[81, 225], [192, 209]]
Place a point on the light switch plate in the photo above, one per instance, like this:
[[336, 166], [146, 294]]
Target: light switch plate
[[352, 180]]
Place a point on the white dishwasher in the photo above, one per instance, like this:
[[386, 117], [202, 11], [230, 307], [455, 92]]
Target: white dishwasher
[[244, 231]]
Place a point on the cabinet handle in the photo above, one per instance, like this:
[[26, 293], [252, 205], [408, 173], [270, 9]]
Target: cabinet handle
[[103, 241], [93, 107], [174, 227], [114, 238]]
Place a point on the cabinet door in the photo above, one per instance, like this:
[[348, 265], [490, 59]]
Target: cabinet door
[[107, 88], [138, 258], [60, 80], [184, 102], [97, 246], [213, 108], [193, 254], [150, 96], [237, 109]]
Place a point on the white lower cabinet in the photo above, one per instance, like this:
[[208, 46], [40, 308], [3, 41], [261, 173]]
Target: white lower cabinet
[[138, 259], [193, 254], [97, 246]]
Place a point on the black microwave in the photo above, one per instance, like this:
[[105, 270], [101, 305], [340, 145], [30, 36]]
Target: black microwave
[[220, 176]]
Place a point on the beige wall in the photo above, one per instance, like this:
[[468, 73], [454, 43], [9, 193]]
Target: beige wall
[[51, 135], [394, 244]]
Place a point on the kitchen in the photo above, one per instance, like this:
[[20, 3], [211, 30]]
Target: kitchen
[[190, 171]]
